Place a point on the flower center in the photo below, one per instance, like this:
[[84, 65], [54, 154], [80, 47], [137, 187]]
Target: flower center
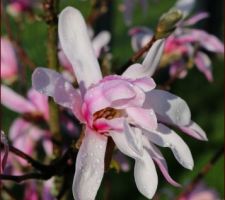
[[108, 113]]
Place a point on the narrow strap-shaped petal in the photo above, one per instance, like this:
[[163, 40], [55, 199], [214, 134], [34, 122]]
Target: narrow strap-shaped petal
[[144, 170], [149, 64], [185, 6], [159, 160], [203, 63], [122, 144], [196, 18], [15, 102], [144, 118], [51, 83], [40, 101], [166, 137], [169, 108], [194, 130], [77, 47], [145, 175], [100, 41], [89, 166], [134, 138]]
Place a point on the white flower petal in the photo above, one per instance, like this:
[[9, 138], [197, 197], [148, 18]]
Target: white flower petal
[[89, 166], [160, 160], [100, 41], [145, 175], [194, 130], [77, 47], [53, 84], [134, 138], [166, 137], [169, 108], [149, 64], [122, 144]]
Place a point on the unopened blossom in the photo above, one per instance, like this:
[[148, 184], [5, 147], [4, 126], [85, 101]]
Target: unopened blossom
[[184, 48], [9, 65], [126, 108]]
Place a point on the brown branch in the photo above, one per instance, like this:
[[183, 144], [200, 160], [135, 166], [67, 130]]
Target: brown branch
[[99, 8], [206, 168], [51, 11]]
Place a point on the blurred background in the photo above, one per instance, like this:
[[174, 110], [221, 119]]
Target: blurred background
[[204, 99]]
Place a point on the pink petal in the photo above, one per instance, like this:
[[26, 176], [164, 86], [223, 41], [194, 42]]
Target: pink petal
[[195, 131], [196, 18], [169, 108], [144, 118], [77, 47], [15, 102], [116, 93], [103, 125], [146, 83], [203, 63], [9, 66], [40, 101], [160, 161], [89, 166], [51, 83]]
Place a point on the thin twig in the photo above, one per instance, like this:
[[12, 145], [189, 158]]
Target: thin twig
[[51, 11]]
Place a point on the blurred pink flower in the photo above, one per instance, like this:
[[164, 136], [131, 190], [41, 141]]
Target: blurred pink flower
[[9, 65], [201, 192], [24, 134], [186, 44], [16, 7], [127, 108]]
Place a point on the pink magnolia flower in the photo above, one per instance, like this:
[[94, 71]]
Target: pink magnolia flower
[[17, 7], [126, 108], [23, 133], [201, 192], [184, 45], [9, 65]]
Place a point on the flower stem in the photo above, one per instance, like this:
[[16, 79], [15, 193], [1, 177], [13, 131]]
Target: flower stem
[[51, 12]]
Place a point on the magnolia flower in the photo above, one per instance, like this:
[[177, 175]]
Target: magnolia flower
[[184, 47], [9, 65], [201, 192], [126, 108], [185, 6], [23, 133], [16, 7]]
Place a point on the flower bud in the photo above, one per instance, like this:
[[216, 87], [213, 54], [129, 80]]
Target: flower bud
[[167, 23]]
